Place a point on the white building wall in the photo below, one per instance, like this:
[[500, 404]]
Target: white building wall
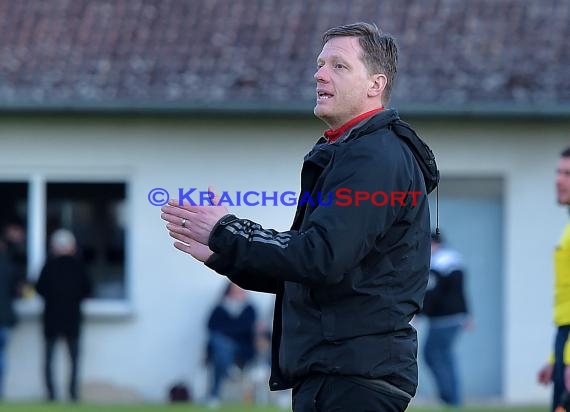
[[526, 155], [158, 336]]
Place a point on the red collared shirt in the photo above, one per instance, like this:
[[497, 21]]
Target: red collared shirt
[[333, 135]]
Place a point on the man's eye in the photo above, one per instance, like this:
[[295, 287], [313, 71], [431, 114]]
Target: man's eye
[[339, 66]]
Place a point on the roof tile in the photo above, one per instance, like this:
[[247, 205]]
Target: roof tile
[[191, 52]]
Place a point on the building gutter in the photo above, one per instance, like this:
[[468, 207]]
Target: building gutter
[[272, 109]]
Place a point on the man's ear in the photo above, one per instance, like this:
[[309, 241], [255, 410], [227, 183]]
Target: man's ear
[[377, 85]]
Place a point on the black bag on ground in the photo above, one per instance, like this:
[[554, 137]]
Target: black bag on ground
[[179, 392]]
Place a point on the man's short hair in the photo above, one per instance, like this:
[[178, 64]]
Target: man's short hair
[[380, 50], [565, 152]]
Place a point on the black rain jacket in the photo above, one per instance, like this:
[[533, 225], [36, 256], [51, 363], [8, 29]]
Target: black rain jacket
[[348, 279]]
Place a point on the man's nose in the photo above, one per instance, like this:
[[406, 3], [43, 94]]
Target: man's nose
[[321, 74]]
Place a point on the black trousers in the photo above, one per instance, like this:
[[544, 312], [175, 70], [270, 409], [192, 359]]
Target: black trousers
[[327, 393], [73, 350], [558, 371]]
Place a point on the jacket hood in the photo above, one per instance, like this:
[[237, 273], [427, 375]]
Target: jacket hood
[[422, 153]]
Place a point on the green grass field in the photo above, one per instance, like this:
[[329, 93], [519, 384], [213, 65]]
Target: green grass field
[[21, 407]]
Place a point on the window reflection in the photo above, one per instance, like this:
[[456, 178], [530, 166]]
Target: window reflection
[[93, 212], [13, 213]]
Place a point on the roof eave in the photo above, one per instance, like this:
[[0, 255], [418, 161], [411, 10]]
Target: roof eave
[[469, 110]]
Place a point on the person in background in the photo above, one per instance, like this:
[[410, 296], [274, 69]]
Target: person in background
[[63, 284], [445, 307], [557, 370], [232, 336], [9, 289], [14, 235]]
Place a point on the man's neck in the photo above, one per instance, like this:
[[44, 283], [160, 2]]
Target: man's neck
[[332, 135]]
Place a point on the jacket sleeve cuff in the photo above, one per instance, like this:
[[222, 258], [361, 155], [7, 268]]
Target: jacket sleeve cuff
[[217, 230], [220, 264]]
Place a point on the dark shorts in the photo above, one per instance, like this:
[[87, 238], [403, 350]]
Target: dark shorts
[[327, 393]]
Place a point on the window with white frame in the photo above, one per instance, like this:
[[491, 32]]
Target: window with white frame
[[93, 211]]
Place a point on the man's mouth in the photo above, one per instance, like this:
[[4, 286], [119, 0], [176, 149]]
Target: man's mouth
[[323, 95]]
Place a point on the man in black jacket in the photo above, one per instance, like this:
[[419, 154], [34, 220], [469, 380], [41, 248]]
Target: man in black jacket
[[445, 306], [349, 276], [63, 284], [9, 288]]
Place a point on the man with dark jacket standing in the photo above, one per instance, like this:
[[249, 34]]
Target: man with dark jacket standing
[[9, 287], [445, 306], [350, 274], [63, 284]]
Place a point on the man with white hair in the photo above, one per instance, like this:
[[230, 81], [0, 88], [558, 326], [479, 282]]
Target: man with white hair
[[63, 284]]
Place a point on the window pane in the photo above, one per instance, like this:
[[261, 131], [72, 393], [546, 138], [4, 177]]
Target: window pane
[[13, 223], [93, 212]]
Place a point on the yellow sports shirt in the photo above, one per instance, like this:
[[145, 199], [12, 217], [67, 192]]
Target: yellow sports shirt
[[562, 280], [562, 288]]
